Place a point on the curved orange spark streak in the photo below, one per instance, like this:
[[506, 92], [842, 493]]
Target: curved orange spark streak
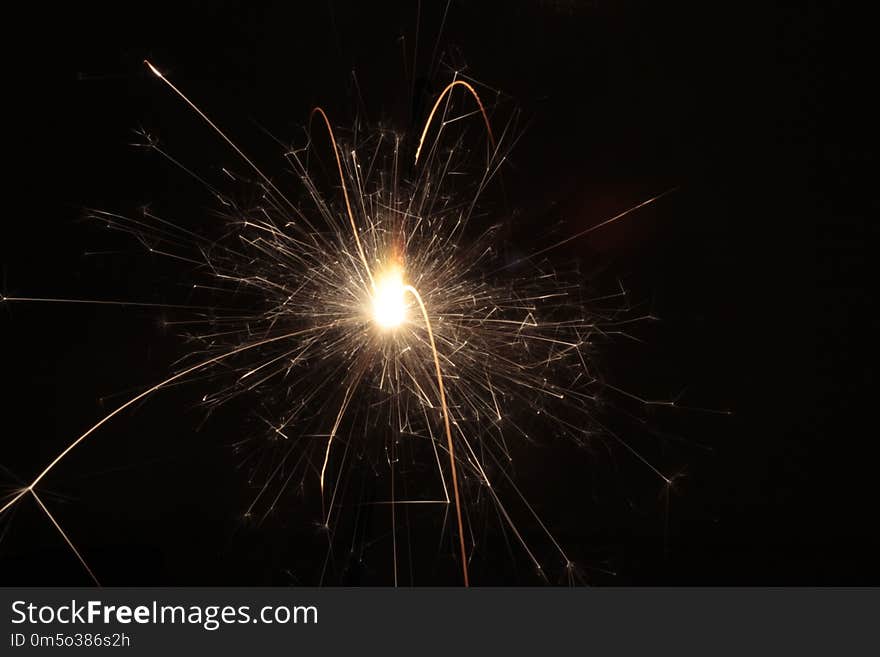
[[354, 229], [437, 104], [464, 563]]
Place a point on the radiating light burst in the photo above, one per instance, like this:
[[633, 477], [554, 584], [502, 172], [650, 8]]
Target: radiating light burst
[[389, 298], [379, 328]]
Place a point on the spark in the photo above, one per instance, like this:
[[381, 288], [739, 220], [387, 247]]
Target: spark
[[64, 535], [330, 326], [195, 108], [387, 296], [439, 100], [452, 466]]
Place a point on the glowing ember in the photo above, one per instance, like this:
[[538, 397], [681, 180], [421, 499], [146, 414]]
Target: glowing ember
[[389, 302]]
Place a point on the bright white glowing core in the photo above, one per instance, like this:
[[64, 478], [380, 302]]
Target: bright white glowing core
[[389, 299]]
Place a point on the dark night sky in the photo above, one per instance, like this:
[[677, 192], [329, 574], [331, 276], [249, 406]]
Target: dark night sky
[[754, 266]]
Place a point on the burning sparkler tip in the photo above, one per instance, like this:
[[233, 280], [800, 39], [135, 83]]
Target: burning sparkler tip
[[389, 302], [153, 69]]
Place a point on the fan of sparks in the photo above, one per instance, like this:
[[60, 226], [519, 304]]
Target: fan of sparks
[[376, 321]]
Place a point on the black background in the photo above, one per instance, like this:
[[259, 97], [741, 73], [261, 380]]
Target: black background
[[755, 266]]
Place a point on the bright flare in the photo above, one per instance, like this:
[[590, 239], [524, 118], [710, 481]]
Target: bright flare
[[389, 302]]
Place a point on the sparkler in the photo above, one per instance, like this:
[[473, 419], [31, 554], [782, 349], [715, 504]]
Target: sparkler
[[330, 329]]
